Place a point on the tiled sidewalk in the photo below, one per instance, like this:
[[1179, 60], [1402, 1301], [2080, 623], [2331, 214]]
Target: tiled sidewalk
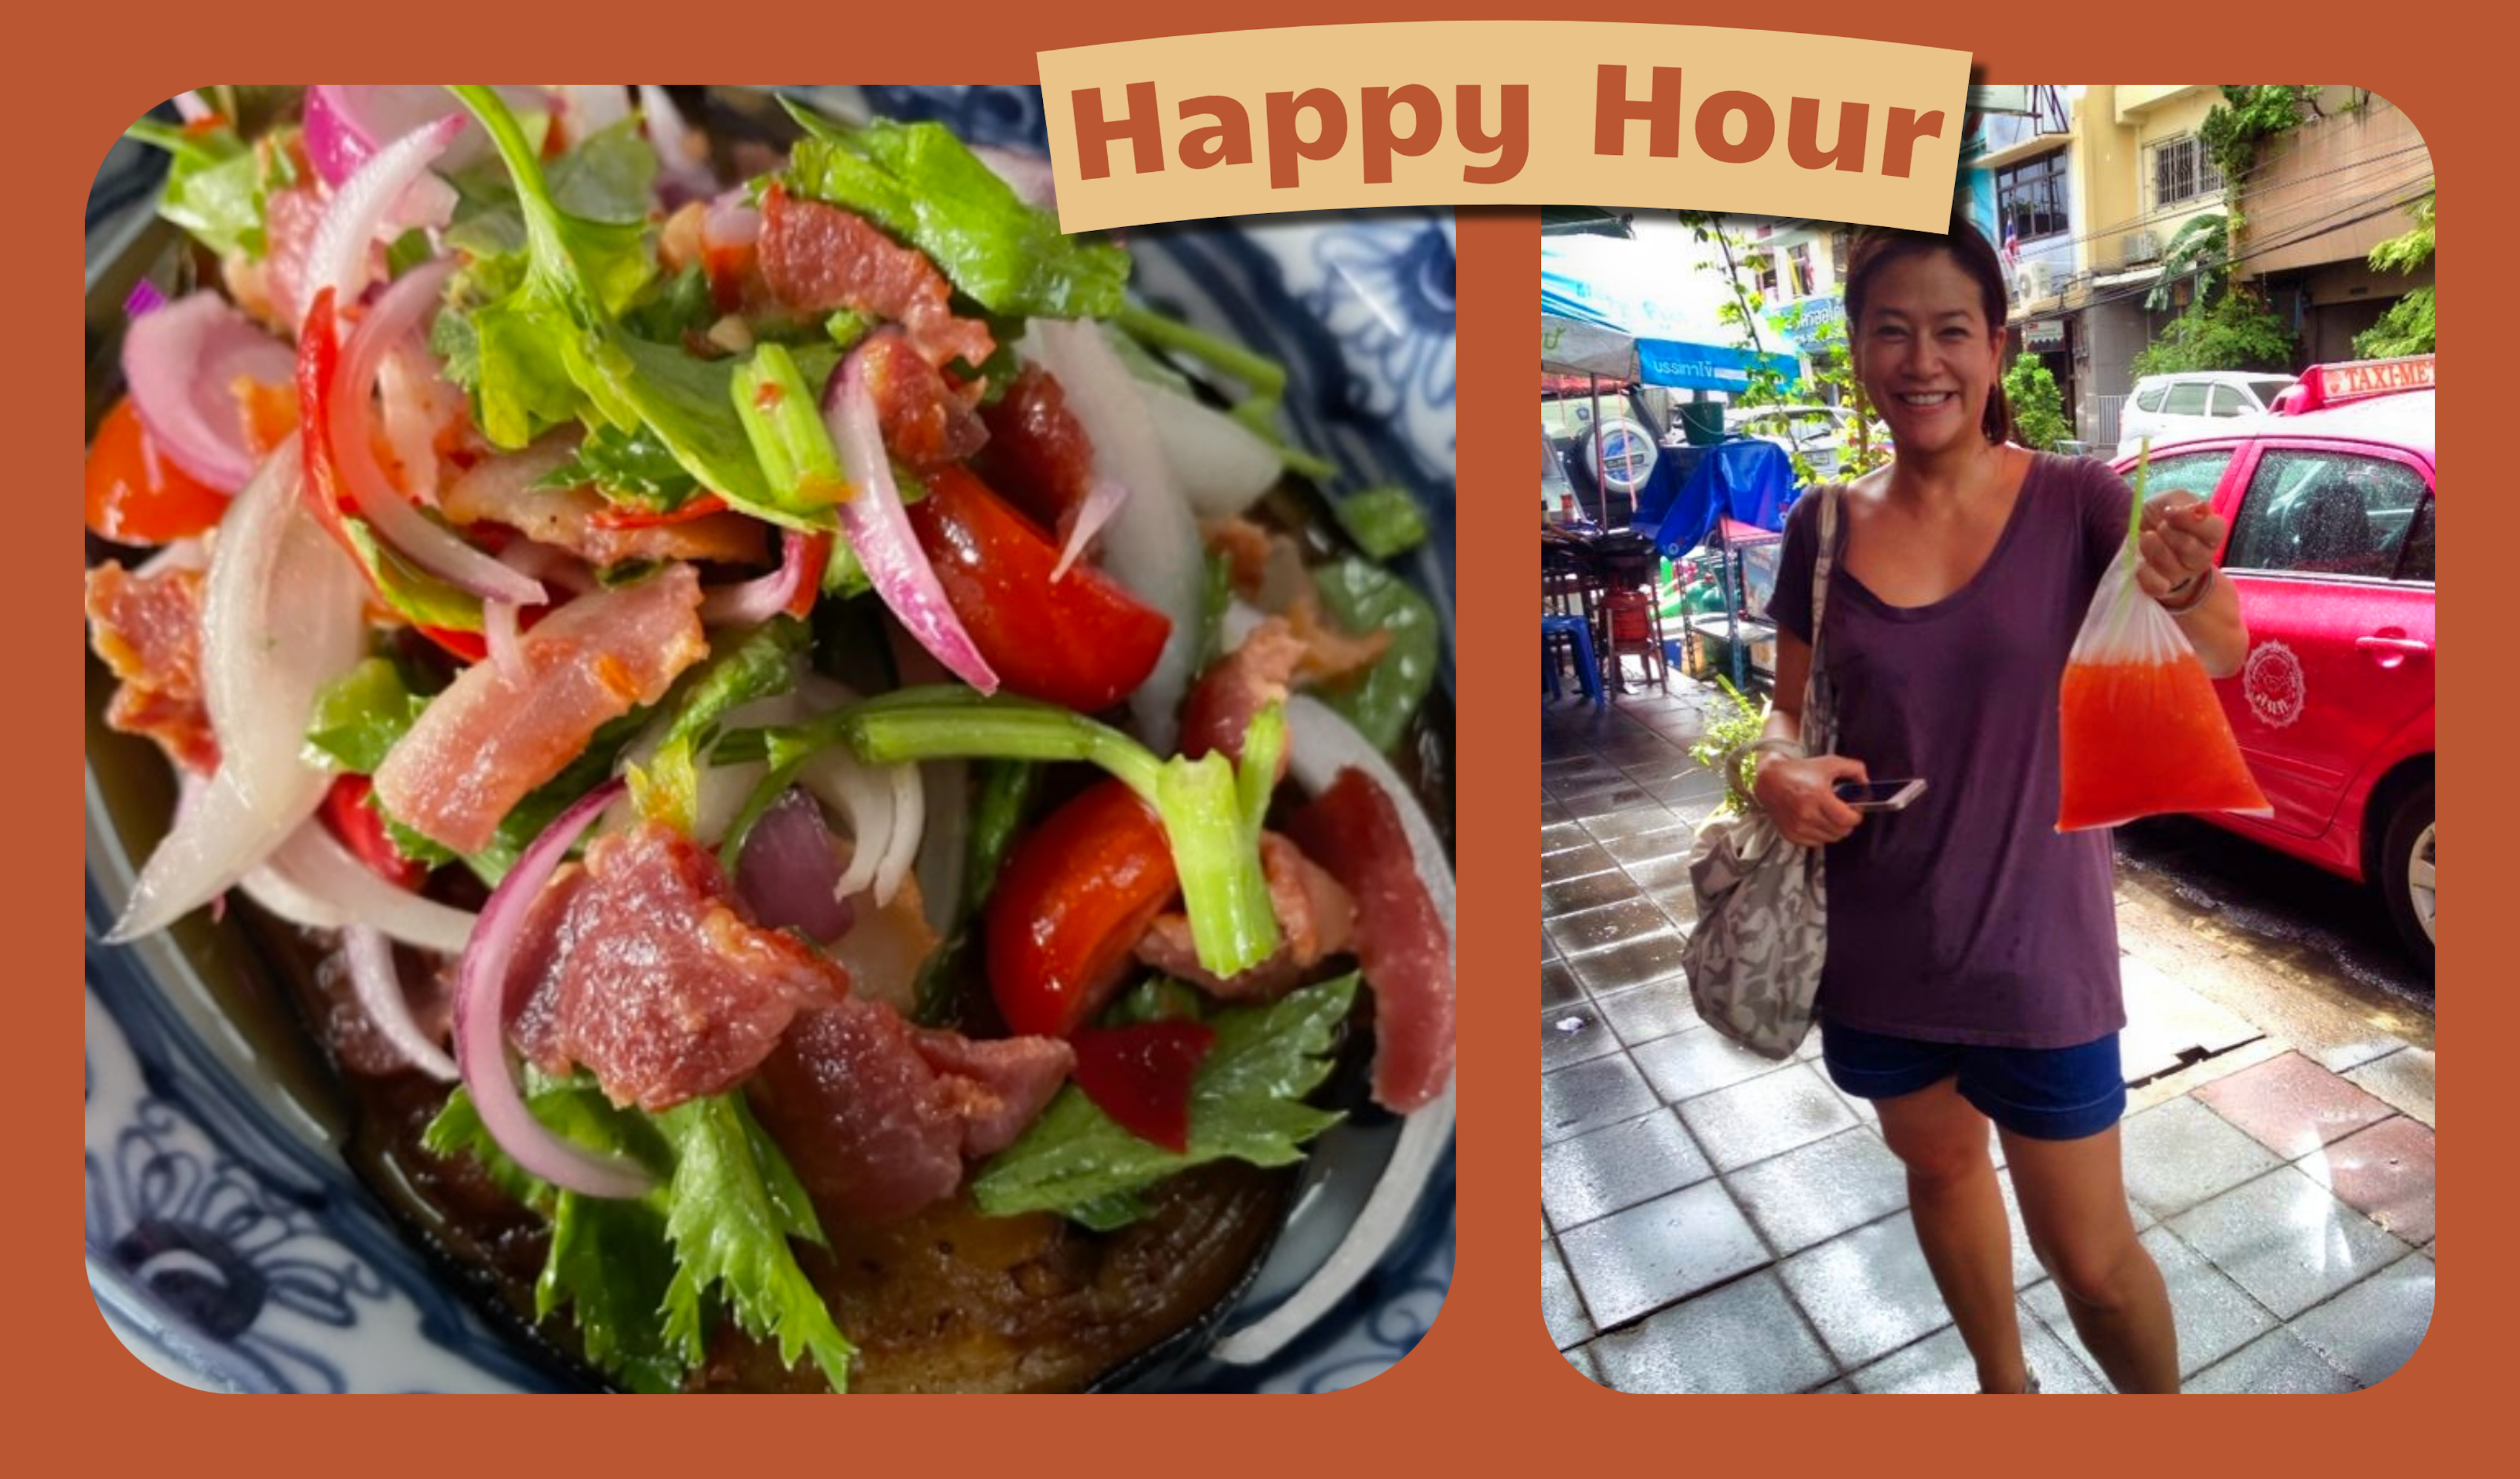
[[1713, 1221]]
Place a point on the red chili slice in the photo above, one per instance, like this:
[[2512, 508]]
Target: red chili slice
[[1141, 1076], [319, 366], [363, 831]]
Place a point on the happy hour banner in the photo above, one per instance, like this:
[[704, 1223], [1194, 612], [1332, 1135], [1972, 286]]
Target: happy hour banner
[[1505, 112]]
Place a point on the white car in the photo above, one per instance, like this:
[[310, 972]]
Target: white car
[[1820, 433], [2195, 403]]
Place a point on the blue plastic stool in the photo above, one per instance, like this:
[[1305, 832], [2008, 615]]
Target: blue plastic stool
[[1587, 666]]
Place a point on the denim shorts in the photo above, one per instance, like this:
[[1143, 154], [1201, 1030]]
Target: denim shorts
[[2052, 1094]]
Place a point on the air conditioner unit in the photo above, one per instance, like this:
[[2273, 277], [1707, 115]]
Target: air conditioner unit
[[2038, 281], [2143, 247]]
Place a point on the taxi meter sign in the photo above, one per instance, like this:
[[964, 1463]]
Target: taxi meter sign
[[2357, 379]]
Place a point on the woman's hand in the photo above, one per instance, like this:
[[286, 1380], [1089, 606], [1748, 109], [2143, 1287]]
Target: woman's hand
[[2181, 534], [1800, 797]]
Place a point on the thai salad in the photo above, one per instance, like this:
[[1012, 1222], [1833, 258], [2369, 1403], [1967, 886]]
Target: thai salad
[[847, 832]]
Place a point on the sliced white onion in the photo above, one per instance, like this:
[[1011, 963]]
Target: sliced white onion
[[190, 108], [482, 1008], [1104, 500], [1152, 548], [880, 531], [731, 222], [886, 806], [1222, 466], [372, 207], [1321, 744], [315, 882], [412, 394], [1028, 175], [685, 161], [593, 108], [282, 619], [430, 545], [502, 633], [183, 363], [378, 980]]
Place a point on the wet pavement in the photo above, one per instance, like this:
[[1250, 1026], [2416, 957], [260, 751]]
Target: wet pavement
[[1712, 1221]]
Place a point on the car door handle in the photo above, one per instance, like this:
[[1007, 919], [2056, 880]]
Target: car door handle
[[2401, 645]]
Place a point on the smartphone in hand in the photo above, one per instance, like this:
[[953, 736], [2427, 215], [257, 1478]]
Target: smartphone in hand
[[1881, 796]]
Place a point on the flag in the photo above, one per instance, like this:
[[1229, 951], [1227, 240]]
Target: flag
[[2012, 244]]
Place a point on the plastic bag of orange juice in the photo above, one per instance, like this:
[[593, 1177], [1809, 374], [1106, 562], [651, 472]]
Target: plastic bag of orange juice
[[2143, 732]]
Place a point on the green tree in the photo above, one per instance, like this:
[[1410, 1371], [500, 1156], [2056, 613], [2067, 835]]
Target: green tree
[[1833, 369], [2238, 330], [2407, 326], [2038, 405]]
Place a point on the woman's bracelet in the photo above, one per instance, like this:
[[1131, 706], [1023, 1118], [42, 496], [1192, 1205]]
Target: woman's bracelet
[[1792, 749], [2196, 598]]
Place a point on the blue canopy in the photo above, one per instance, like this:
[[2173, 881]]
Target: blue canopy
[[1608, 308], [1745, 480]]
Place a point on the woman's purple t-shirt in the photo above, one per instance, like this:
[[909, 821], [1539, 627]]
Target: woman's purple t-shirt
[[1968, 917]]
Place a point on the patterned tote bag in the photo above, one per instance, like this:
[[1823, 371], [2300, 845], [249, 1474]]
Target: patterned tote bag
[[1755, 957]]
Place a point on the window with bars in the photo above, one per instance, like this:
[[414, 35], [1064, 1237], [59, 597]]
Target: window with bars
[[1798, 257], [2182, 170], [2030, 197]]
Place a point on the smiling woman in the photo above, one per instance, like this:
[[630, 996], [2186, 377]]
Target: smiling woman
[[560, 493], [1972, 967]]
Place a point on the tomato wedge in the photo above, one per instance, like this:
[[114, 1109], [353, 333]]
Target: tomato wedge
[[1080, 642], [134, 496], [1070, 907]]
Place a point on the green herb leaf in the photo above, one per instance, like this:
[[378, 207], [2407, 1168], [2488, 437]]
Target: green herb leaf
[[631, 468], [760, 665], [733, 1205], [213, 186], [1247, 1104], [413, 594], [1384, 522], [363, 716], [916, 181], [1363, 597]]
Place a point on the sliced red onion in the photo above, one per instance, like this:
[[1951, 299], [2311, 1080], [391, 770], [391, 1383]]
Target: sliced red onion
[[193, 108], [144, 299], [878, 530], [282, 619], [790, 874], [685, 173], [430, 545], [183, 363], [314, 882], [1152, 548], [1222, 466], [757, 600], [1028, 175], [347, 126], [1102, 501], [1319, 744], [592, 109], [372, 207], [483, 1006], [377, 979]]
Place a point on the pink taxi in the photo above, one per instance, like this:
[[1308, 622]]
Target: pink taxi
[[2331, 502]]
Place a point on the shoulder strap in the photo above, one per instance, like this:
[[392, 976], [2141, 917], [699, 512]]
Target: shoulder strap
[[1820, 566]]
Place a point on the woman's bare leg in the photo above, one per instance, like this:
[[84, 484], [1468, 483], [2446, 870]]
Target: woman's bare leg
[[1959, 1208], [2073, 1200]]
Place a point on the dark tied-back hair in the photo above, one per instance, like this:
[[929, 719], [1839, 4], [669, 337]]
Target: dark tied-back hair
[[1877, 246]]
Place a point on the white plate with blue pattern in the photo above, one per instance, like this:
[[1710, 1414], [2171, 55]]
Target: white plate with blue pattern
[[229, 1246]]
